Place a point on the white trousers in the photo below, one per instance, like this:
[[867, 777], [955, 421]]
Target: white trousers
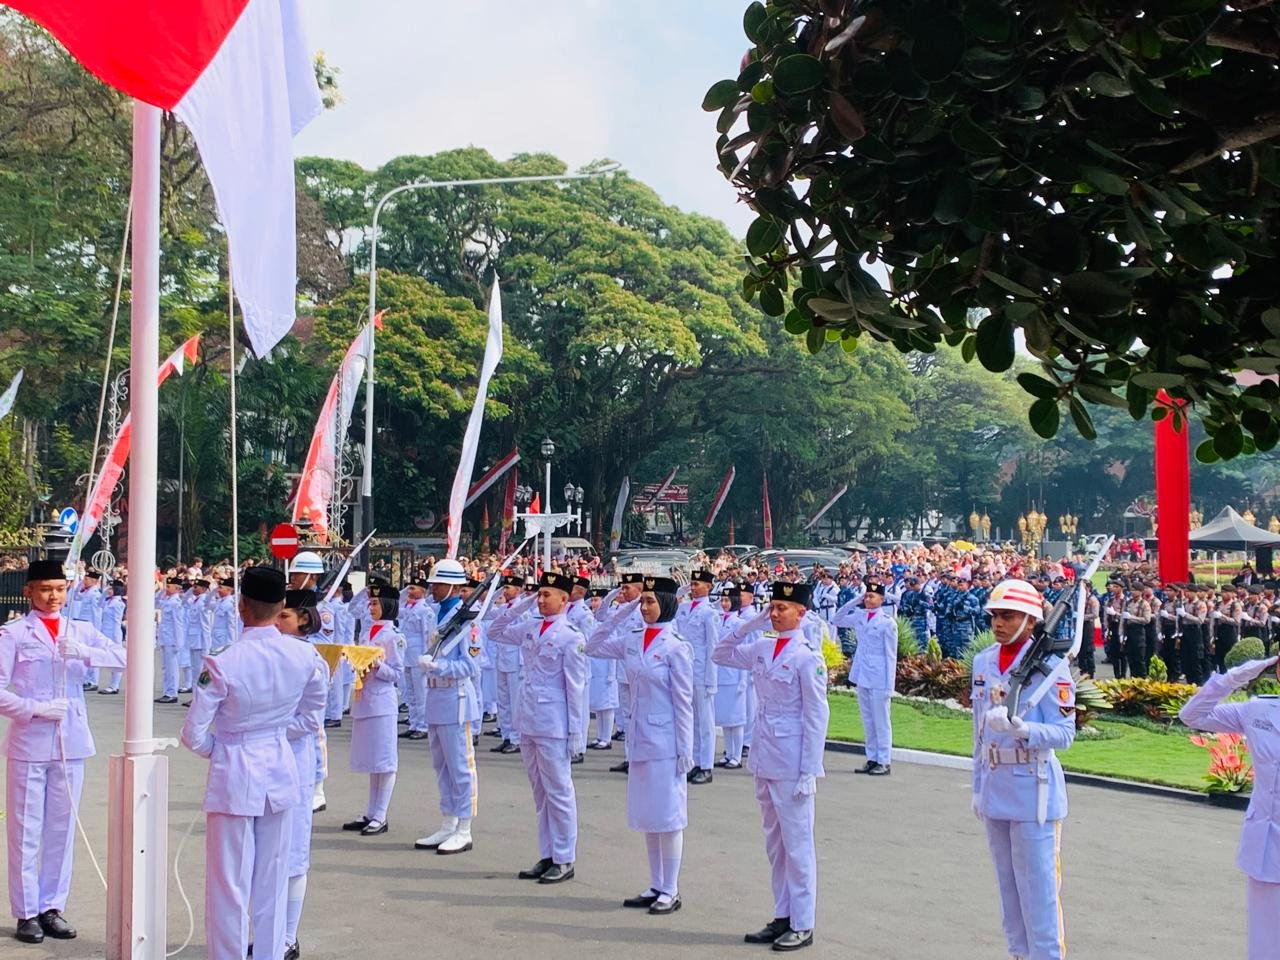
[[704, 728], [1264, 919], [793, 858], [41, 799], [508, 687], [169, 670], [1028, 866], [873, 708], [546, 761], [246, 876]]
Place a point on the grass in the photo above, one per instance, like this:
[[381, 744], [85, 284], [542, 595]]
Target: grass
[[1126, 751]]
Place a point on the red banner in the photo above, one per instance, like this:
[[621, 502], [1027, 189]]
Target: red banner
[[508, 513], [768, 515], [721, 494], [1173, 494]]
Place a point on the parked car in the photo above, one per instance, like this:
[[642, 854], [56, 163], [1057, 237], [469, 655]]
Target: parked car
[[576, 546], [887, 545], [829, 557], [653, 559], [735, 550]]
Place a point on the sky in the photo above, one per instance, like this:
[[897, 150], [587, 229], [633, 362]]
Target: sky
[[581, 79]]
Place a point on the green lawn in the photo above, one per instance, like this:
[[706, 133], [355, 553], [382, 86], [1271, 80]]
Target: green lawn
[[1128, 752]]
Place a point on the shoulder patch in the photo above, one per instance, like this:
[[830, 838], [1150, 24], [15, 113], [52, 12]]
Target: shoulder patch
[[473, 651], [582, 648]]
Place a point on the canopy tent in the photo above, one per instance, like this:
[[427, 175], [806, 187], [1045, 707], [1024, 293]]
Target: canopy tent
[[1229, 531]]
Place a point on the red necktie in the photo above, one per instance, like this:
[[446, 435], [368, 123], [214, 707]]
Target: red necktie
[[52, 626], [779, 645], [649, 634], [543, 629], [693, 606]]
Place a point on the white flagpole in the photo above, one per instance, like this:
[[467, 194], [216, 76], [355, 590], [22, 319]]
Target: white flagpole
[[138, 792]]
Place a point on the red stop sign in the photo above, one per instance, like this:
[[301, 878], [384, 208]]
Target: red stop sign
[[284, 541]]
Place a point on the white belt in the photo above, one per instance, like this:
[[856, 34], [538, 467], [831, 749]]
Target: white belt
[[1017, 755], [440, 683]]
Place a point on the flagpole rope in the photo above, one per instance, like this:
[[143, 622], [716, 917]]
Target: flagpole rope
[[235, 501]]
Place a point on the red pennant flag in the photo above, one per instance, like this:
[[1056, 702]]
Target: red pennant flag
[[536, 506]]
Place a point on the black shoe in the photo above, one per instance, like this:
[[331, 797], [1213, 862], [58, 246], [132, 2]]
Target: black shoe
[[733, 765], [415, 735], [87, 688], [866, 767], [370, 830], [357, 824], [403, 708], [55, 925], [184, 689], [722, 762], [699, 775], [537, 870], [29, 931], [346, 712], [293, 951], [746, 752], [620, 735], [332, 724], [165, 700], [578, 758], [403, 721], [187, 704], [879, 770], [793, 940], [493, 733], [489, 718], [559, 873], [642, 902], [404, 734], [599, 745], [108, 693], [500, 747], [771, 931], [660, 908], [623, 767], [509, 747]]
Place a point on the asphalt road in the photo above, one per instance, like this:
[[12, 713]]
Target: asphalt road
[[903, 868]]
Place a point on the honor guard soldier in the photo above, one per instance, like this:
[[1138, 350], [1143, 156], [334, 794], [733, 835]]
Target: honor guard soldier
[[84, 605], [226, 619], [1136, 615], [915, 607], [417, 623], [506, 663], [113, 615], [43, 662], [1258, 857], [250, 699], [628, 591], [873, 672], [549, 718], [582, 618], [786, 758], [452, 708], [1018, 789], [603, 694], [663, 692], [696, 625], [170, 638], [199, 625], [732, 685]]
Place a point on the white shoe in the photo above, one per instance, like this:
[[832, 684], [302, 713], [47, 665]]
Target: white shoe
[[447, 829], [318, 801], [460, 842]]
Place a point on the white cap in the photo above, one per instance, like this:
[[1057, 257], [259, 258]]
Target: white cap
[[307, 562], [1017, 595], [450, 572]]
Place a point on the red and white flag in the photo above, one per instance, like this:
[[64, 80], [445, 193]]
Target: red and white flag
[[827, 506], [238, 73], [320, 469], [663, 487], [508, 512], [615, 529], [492, 476], [767, 514], [721, 495], [471, 439], [113, 466]]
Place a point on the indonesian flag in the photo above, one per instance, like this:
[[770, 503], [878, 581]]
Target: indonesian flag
[[239, 75], [471, 439], [508, 512], [663, 487], [721, 494], [320, 469], [827, 506], [767, 514], [492, 476], [112, 468]]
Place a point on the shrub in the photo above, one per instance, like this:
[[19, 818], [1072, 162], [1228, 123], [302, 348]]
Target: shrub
[[1246, 649], [1144, 697], [1089, 701], [943, 679], [1229, 768], [1156, 670], [836, 662], [975, 646], [933, 649], [908, 642]]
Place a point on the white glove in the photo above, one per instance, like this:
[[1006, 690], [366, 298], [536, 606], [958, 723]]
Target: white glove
[[72, 649], [759, 621], [55, 710], [1241, 675], [997, 720], [683, 591], [624, 611], [1181, 611], [525, 601], [684, 765], [973, 805], [806, 786], [427, 663], [1217, 614], [1019, 728], [1126, 615], [577, 745]]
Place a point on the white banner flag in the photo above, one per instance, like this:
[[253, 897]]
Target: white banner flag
[[615, 531], [11, 394]]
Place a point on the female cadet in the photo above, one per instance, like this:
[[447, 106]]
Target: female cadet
[[731, 689], [373, 713], [603, 692], [1258, 718], [300, 619], [660, 742]]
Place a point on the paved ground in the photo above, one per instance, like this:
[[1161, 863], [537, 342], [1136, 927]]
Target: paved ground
[[903, 867]]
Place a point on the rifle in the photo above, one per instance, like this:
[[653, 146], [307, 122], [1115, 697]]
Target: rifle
[[1043, 642], [470, 609]]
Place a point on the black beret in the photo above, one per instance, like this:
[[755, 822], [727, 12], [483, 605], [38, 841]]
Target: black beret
[[584, 582], [227, 582], [92, 574], [633, 578], [876, 588], [297, 599], [703, 576], [660, 585], [793, 592], [264, 584]]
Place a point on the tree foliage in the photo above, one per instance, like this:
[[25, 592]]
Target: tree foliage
[[1100, 177]]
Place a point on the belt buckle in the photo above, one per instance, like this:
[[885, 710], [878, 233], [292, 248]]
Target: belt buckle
[[993, 756], [1024, 754]]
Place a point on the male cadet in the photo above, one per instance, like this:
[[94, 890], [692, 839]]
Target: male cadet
[[791, 708], [915, 607], [631, 588], [506, 662], [1018, 789], [170, 637], [549, 718], [84, 604], [250, 700], [43, 662], [697, 621], [452, 710], [825, 595], [113, 613], [198, 625], [582, 618], [225, 619], [1258, 718], [873, 672], [1136, 615], [417, 623]]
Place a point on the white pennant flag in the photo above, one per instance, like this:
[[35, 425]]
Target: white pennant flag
[[10, 395]]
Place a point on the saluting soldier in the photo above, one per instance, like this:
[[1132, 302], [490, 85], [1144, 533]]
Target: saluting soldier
[[113, 616], [506, 662], [170, 638], [731, 684], [696, 625], [873, 672], [417, 622], [582, 618], [549, 717], [1019, 792], [603, 694], [786, 758], [1137, 614], [627, 591]]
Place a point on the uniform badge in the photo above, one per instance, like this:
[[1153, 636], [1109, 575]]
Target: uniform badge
[[1064, 691], [204, 678], [582, 648], [474, 651], [400, 644], [822, 671], [979, 681], [1066, 711]]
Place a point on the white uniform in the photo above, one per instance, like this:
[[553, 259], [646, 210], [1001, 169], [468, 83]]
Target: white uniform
[[1258, 855], [113, 614], [696, 623], [873, 672]]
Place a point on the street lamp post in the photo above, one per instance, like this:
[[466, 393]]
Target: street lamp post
[[548, 450], [574, 495], [364, 517]]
